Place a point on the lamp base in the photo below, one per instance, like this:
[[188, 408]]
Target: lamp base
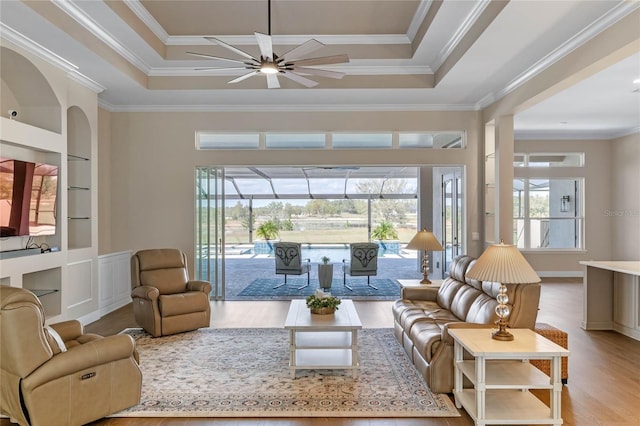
[[425, 280], [502, 335]]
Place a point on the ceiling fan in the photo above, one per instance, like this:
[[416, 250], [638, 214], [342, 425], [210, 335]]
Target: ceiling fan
[[292, 64]]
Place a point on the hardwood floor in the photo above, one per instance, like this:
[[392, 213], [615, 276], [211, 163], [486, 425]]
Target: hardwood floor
[[604, 366]]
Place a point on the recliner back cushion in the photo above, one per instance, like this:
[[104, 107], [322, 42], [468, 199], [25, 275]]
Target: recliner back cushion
[[167, 281], [447, 292], [482, 310], [164, 269], [462, 301]]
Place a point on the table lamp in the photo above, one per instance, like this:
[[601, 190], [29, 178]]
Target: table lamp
[[504, 264], [425, 241]]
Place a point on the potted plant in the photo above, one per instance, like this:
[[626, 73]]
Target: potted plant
[[269, 230], [325, 273], [387, 236], [321, 304]]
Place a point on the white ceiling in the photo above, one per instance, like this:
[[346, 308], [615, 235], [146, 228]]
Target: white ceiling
[[405, 54]]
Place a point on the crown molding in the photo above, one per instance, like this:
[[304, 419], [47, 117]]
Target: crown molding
[[36, 49], [282, 108], [453, 42], [250, 40], [148, 19], [350, 70], [605, 21], [418, 17], [48, 56], [78, 15]]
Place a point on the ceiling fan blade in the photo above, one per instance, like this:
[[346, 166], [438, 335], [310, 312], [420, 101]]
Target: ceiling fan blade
[[266, 45], [302, 50], [218, 58], [321, 73], [299, 79], [231, 48], [223, 68], [243, 77], [272, 81], [324, 60]]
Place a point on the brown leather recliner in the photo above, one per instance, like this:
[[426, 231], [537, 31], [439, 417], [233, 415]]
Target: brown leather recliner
[[58, 375], [165, 301]]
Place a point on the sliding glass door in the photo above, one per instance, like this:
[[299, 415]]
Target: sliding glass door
[[210, 228]]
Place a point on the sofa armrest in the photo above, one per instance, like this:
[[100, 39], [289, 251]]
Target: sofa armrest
[[145, 292], [425, 292], [197, 285], [83, 357], [68, 330], [446, 337]]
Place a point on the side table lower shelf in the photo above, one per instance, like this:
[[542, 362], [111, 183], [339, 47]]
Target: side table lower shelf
[[506, 407]]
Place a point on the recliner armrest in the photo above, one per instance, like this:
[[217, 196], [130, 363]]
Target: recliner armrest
[[79, 358], [68, 330], [425, 292], [145, 292], [197, 285]]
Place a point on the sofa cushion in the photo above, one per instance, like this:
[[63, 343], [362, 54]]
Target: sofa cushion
[[482, 310], [462, 301], [447, 292]]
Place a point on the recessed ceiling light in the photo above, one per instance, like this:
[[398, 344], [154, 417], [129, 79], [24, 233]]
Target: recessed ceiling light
[[636, 81]]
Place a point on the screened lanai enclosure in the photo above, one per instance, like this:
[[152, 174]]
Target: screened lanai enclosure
[[241, 211]]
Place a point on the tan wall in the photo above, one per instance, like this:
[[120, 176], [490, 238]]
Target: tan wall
[[104, 182], [598, 184], [153, 158], [623, 212]]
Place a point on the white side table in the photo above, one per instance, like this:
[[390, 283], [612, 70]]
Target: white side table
[[416, 283], [501, 376]]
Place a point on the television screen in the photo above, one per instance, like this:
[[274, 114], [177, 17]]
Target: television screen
[[27, 198]]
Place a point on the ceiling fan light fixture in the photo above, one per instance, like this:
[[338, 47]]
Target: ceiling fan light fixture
[[267, 67]]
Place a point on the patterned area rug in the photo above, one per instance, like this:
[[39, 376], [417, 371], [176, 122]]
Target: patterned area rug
[[245, 373], [262, 288]]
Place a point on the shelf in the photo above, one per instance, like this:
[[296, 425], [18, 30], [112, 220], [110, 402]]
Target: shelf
[[323, 358], [71, 157], [508, 375], [43, 292], [78, 218], [82, 188], [507, 407], [324, 340]]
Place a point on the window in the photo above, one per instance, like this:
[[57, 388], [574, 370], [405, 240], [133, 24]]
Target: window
[[548, 213], [556, 159]]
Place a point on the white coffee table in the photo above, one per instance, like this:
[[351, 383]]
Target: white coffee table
[[323, 341]]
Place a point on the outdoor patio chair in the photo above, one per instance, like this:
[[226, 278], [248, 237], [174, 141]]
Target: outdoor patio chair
[[364, 262], [289, 261]]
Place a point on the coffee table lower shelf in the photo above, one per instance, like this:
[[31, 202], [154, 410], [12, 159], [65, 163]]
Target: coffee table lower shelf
[[506, 407]]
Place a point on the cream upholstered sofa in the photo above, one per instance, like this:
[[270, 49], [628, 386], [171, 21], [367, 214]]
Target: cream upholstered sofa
[[165, 300], [59, 375], [423, 316]]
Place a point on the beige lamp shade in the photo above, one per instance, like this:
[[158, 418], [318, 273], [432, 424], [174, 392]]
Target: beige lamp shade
[[426, 241], [503, 263]]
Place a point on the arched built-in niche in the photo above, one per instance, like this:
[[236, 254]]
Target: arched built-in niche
[[26, 90], [79, 178]]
